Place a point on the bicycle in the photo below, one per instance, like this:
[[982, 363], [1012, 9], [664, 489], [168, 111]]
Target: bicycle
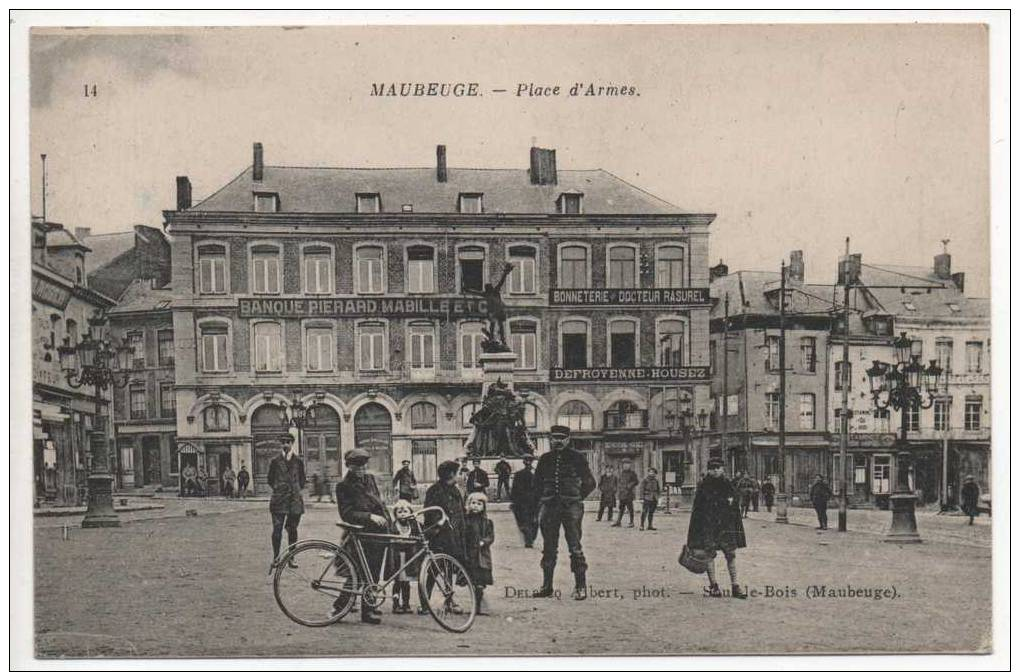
[[313, 577]]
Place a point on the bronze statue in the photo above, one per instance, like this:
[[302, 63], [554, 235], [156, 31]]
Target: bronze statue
[[495, 334], [500, 429]]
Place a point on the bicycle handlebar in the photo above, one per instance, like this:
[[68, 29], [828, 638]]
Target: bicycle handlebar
[[443, 518]]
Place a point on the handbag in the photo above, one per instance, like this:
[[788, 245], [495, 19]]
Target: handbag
[[695, 560]]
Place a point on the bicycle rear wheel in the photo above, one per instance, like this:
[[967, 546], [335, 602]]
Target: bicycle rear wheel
[[445, 587], [316, 583]]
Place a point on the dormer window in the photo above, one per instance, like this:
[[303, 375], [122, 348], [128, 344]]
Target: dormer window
[[369, 203], [569, 203], [470, 204], [880, 325], [267, 202]]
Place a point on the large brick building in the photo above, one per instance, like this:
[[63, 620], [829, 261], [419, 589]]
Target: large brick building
[[350, 289]]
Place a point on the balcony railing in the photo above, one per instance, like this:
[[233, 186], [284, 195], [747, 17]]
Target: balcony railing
[[617, 420]]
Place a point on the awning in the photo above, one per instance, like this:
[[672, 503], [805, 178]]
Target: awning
[[50, 412]]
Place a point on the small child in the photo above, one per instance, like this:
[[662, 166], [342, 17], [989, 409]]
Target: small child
[[478, 538], [406, 525]]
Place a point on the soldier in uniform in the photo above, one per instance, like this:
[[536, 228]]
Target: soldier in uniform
[[287, 479], [562, 481], [524, 502], [405, 482]]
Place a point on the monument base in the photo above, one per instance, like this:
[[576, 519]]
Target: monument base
[[781, 512], [100, 512], [904, 520]]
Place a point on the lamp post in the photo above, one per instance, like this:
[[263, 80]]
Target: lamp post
[[297, 414], [686, 422], [903, 386], [97, 361]]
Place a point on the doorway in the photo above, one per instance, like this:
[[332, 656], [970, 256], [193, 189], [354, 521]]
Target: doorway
[[373, 429], [152, 471]]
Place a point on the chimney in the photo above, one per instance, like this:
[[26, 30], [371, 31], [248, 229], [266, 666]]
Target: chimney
[[795, 271], [543, 166], [440, 163], [82, 232], [256, 162], [943, 266], [720, 270], [183, 193], [958, 280], [849, 271]]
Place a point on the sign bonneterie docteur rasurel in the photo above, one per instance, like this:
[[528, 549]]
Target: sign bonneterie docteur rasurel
[[377, 306], [654, 374], [677, 298]]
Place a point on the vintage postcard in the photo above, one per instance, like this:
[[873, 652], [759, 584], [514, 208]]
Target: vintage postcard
[[652, 338]]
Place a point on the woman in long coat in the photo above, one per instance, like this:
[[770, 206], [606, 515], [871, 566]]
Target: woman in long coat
[[445, 494], [716, 525]]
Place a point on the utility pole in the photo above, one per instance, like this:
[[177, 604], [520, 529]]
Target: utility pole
[[844, 415], [725, 376], [781, 500]]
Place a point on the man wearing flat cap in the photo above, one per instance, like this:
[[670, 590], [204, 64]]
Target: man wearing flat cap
[[286, 478], [524, 502], [405, 482], [359, 503], [562, 481]]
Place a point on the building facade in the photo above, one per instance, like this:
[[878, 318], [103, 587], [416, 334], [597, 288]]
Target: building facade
[[358, 293]]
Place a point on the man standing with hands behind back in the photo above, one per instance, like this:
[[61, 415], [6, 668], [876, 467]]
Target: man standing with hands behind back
[[287, 479], [359, 503]]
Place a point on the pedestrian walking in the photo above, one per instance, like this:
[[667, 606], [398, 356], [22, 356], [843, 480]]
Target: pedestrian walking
[[405, 483], [524, 502], [743, 486], [625, 493], [228, 482], [563, 480], [449, 539], [477, 480], [243, 479], [820, 494], [503, 471], [359, 503], [716, 525], [608, 483], [286, 479], [478, 537], [970, 494], [768, 493], [650, 489]]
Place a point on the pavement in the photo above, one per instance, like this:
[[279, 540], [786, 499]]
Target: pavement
[[168, 584]]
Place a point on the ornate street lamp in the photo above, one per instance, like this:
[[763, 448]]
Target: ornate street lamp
[[97, 362], [905, 386], [297, 414], [687, 423]]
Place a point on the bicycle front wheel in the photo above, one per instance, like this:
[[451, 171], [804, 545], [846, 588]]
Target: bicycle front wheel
[[316, 583], [445, 587]]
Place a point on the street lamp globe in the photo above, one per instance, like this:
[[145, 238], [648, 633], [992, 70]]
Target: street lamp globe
[[904, 348], [87, 351], [68, 357], [933, 377], [913, 372], [702, 419], [876, 375]]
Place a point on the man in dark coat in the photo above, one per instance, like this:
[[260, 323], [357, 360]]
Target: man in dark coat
[[405, 482], [287, 479], [477, 480], [820, 494], [524, 502], [562, 480], [625, 493], [243, 478], [608, 483], [716, 525], [503, 471], [969, 494], [359, 503], [768, 493]]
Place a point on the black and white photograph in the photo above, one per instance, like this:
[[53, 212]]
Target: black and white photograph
[[358, 336]]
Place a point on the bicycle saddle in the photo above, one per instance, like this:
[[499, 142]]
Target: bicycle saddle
[[349, 526]]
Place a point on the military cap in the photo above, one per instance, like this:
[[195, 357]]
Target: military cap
[[356, 457], [286, 438], [715, 463], [559, 432]]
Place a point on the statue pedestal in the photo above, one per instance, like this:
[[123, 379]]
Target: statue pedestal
[[497, 366]]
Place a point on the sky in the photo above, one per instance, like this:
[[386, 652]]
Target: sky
[[796, 136]]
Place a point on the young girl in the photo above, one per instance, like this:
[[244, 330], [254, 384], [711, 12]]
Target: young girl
[[406, 525], [478, 538]]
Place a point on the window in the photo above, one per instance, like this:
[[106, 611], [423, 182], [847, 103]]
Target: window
[[669, 266], [421, 269], [625, 414], [771, 409], [466, 411], [423, 344], [212, 273], [471, 345], [913, 417], [268, 347], [670, 343], [807, 411], [808, 354], [523, 275], [368, 271], [423, 415], [531, 416], [576, 415], [319, 348], [880, 325], [371, 346], [165, 340], [574, 344], [972, 413], [881, 475], [941, 408], [471, 264], [570, 203], [216, 418], [136, 340], [318, 270], [917, 348], [944, 353], [470, 203], [573, 267], [167, 400], [214, 348], [137, 402], [71, 327], [265, 269], [424, 462], [882, 419], [267, 202], [622, 266], [844, 371], [524, 343], [622, 344], [772, 353], [368, 203], [974, 352]]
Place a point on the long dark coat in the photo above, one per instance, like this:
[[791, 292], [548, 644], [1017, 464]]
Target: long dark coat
[[607, 489], [357, 499], [478, 537], [449, 538], [969, 494], [715, 518], [286, 478]]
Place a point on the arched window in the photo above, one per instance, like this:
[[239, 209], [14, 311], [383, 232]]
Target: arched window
[[531, 416], [268, 347], [215, 344], [623, 342], [576, 415], [670, 343], [212, 269], [422, 345], [265, 269], [216, 418], [524, 343], [574, 344], [371, 340], [624, 414], [368, 270], [471, 345], [318, 269], [574, 269], [421, 269], [669, 266], [622, 266], [423, 415]]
